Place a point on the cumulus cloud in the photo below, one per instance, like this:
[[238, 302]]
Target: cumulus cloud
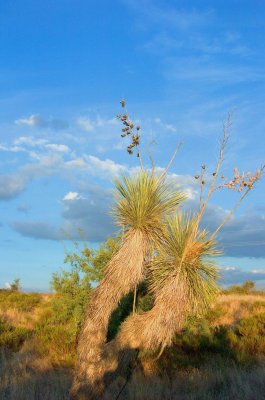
[[245, 235], [89, 125], [89, 214], [30, 141], [36, 120], [234, 275], [61, 148], [12, 149], [32, 120], [37, 230], [85, 124], [41, 143], [70, 196], [11, 186], [23, 208], [168, 127], [107, 168]]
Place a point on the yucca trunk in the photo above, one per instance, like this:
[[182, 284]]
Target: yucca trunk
[[147, 331], [122, 274]]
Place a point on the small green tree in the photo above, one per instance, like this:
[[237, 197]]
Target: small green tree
[[74, 287], [246, 288], [15, 286]]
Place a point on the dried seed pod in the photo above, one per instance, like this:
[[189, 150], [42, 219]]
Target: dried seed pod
[[123, 135], [138, 127], [122, 103], [214, 173], [118, 116], [203, 166], [196, 176]]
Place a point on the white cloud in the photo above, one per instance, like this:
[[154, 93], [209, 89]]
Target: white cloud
[[77, 163], [12, 149], [107, 168], [61, 148], [168, 127], [235, 275], [89, 125], [33, 120], [30, 141], [36, 120], [86, 124], [70, 196], [11, 185], [39, 142], [37, 229]]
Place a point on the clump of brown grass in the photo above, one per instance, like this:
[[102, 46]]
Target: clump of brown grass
[[27, 376], [207, 383], [236, 307]]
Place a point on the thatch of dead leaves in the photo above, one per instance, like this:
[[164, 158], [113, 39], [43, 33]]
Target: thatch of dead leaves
[[182, 277]]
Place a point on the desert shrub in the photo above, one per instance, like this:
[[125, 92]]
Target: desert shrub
[[73, 287], [24, 302], [57, 341], [250, 332], [248, 287], [12, 337], [199, 342], [60, 321]]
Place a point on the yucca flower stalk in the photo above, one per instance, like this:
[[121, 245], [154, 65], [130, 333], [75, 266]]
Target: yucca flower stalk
[[142, 203]]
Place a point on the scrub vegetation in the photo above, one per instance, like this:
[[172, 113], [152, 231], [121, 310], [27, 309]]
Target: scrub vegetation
[[142, 317], [218, 356]]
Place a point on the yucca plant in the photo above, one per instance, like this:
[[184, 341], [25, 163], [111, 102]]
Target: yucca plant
[[142, 204], [182, 277], [180, 269]]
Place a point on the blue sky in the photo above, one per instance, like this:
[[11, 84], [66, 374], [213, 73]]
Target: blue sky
[[181, 65]]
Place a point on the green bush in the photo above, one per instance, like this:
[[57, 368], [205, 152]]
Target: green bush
[[19, 301], [248, 287], [199, 342], [12, 337]]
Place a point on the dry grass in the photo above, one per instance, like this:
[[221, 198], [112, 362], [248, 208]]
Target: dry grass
[[26, 376], [12, 314], [210, 383], [238, 306]]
